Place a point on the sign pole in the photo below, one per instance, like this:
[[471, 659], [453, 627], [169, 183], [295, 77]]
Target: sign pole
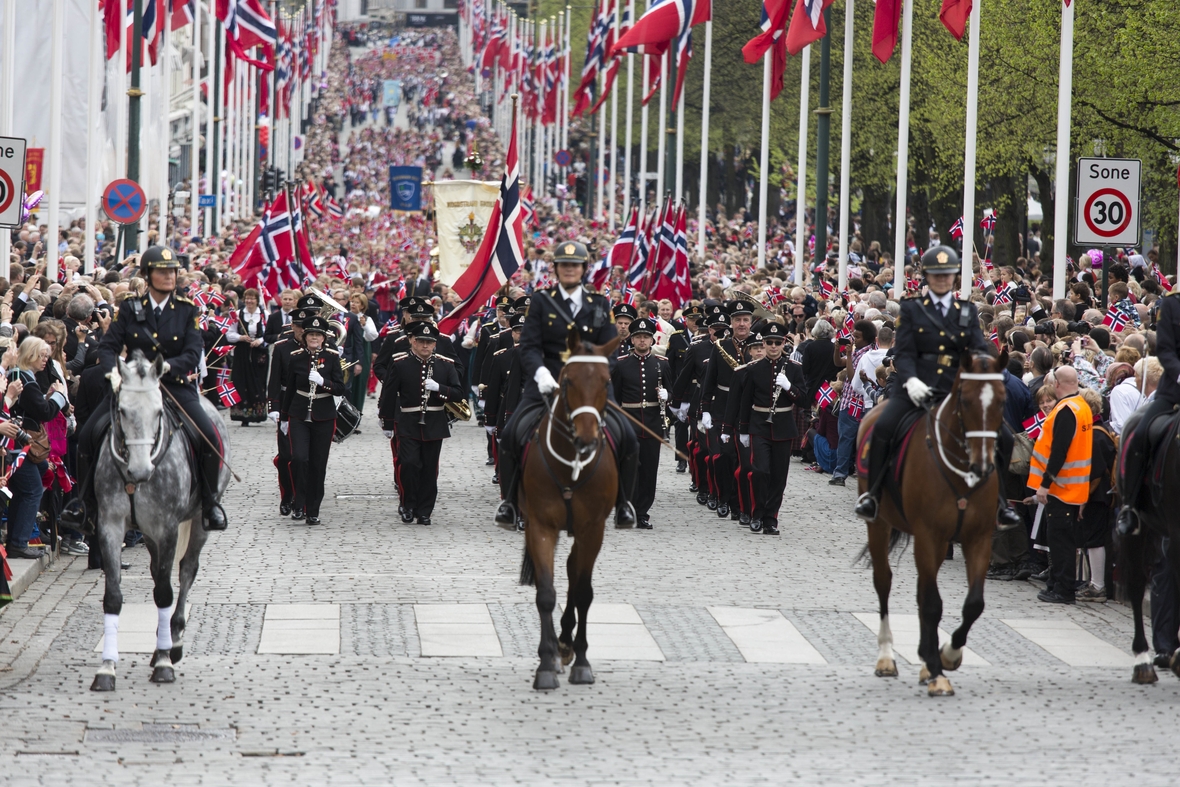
[[8, 83], [1061, 201], [93, 118], [51, 240]]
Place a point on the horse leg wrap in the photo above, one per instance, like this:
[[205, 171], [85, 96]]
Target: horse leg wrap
[[164, 628], [110, 640]]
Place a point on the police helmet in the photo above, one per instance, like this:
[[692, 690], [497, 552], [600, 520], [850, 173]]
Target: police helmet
[[941, 259], [157, 258], [571, 251]]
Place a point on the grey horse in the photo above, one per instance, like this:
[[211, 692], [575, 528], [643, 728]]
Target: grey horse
[[144, 480]]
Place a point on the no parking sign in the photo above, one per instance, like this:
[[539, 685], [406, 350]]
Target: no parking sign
[[1108, 209], [12, 179]]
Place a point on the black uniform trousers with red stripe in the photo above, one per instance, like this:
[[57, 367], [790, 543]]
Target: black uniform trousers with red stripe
[[772, 461], [309, 443], [283, 466], [417, 474]]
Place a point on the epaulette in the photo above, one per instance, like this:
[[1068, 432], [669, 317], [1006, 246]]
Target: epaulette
[[677, 331], [300, 350], [399, 356], [335, 350], [183, 298], [439, 357], [501, 352]]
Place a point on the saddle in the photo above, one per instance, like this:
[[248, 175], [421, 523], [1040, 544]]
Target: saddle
[[1161, 432], [899, 444]]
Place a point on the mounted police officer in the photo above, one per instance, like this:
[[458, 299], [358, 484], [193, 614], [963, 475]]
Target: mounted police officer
[[933, 333], [160, 323], [543, 343], [1135, 452]]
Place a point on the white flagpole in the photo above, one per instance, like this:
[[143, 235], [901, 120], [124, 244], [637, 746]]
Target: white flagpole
[[969, 154], [165, 141], [630, 117], [538, 135], [704, 198], [565, 92], [93, 135], [764, 160], [231, 147], [662, 129], [846, 143], [8, 82], [251, 123], [1064, 113], [599, 189], [680, 149], [195, 147], [903, 151], [614, 131], [643, 117], [55, 101], [120, 94], [801, 199], [210, 164]]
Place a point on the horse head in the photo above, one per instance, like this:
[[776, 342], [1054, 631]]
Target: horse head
[[981, 408], [138, 420], [584, 382]]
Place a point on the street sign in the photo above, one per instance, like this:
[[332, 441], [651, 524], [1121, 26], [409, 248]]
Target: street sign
[[1108, 210], [207, 201], [562, 158], [12, 178], [124, 201]]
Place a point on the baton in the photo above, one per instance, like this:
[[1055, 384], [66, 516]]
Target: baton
[[202, 434], [640, 424]]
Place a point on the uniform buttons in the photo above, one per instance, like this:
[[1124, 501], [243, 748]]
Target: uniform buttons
[[154, 336], [940, 371], [942, 346], [942, 333]]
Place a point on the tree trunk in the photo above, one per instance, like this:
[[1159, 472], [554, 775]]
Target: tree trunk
[[1044, 180], [1010, 200], [874, 213]]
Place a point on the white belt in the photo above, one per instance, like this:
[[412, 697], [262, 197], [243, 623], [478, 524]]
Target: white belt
[[758, 409], [723, 388], [639, 405], [310, 395], [430, 409]]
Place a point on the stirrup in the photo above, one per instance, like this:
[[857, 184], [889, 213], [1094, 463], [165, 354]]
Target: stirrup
[[866, 507], [1128, 522], [210, 519], [1007, 518], [625, 516], [506, 515]]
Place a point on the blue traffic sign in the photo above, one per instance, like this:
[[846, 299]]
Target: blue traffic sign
[[124, 201], [562, 158], [207, 201]]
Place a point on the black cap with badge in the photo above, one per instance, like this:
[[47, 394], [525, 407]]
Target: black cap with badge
[[423, 330], [643, 327], [316, 324]]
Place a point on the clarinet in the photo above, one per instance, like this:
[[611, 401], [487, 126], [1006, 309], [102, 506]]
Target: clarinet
[[427, 374], [313, 363], [774, 392], [663, 405]]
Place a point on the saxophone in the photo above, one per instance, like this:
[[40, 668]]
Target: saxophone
[[729, 359]]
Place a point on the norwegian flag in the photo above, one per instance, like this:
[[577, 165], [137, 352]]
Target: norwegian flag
[[1159, 275], [807, 24], [995, 337], [825, 396], [663, 21], [987, 264], [957, 228], [886, 19], [601, 26], [775, 296], [1032, 427], [774, 24], [612, 70], [624, 247], [856, 408], [228, 394], [600, 273], [526, 206], [183, 12], [978, 283], [913, 285], [389, 327], [1115, 318], [988, 223], [497, 50], [630, 297], [1004, 294], [954, 16], [828, 288], [247, 25], [63, 275], [849, 323], [643, 243], [500, 254], [334, 209]]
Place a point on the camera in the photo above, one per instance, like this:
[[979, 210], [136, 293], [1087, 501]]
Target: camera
[[22, 438], [1021, 294], [1080, 327], [1045, 328]]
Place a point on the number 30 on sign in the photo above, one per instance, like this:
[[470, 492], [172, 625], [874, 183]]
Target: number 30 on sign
[[1108, 202]]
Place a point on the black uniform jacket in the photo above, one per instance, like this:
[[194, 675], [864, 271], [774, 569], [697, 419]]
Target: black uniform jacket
[[501, 340], [718, 376], [636, 381], [280, 362], [176, 336], [678, 344], [731, 420], [505, 387], [300, 391], [398, 344], [400, 406], [929, 347], [693, 366], [760, 387], [543, 338], [484, 350], [1167, 347]]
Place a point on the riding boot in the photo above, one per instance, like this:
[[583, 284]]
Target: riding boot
[[1134, 457], [628, 471], [1006, 516], [78, 514], [506, 513], [867, 504], [214, 514]]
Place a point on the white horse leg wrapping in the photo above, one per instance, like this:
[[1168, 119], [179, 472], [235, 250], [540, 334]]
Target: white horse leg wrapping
[[164, 629], [110, 641]]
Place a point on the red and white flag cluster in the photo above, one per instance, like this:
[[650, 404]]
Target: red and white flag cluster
[[275, 255]]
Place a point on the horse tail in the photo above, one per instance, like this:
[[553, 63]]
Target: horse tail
[[528, 572], [898, 541]]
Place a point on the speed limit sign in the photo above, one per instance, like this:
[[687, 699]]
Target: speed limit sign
[[1108, 202]]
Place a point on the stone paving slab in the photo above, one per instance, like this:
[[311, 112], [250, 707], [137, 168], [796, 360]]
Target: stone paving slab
[[907, 633], [764, 636], [137, 628], [1069, 642]]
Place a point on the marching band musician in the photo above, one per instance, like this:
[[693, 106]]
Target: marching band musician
[[417, 386], [504, 390], [727, 356], [640, 381], [307, 415], [288, 341], [686, 396], [678, 344], [414, 310], [744, 476], [767, 424], [484, 349], [625, 314]]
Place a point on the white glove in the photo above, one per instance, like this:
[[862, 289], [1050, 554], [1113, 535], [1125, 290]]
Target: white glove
[[917, 390], [315, 377], [490, 430], [783, 382], [724, 438], [273, 416], [284, 426], [431, 384], [682, 412], [482, 403], [388, 433], [475, 392], [663, 394], [707, 421], [545, 382], [744, 439]]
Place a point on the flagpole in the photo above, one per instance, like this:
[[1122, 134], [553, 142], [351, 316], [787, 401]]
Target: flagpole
[[846, 142], [903, 151], [1064, 113], [801, 180], [120, 92], [614, 133], [8, 82], [165, 140], [195, 122], [231, 147], [704, 196], [565, 92], [210, 120], [680, 148], [661, 128], [538, 130], [57, 56], [629, 120], [764, 160], [93, 117], [643, 134], [969, 155]]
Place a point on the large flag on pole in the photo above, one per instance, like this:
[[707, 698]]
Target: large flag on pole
[[624, 248], [807, 24], [499, 256], [886, 20], [954, 16], [774, 24], [663, 22]]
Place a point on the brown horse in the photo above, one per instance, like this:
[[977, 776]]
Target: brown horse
[[948, 490], [569, 482]]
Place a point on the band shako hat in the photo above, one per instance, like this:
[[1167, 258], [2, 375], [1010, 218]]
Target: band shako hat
[[755, 340], [502, 302], [423, 330], [521, 304], [299, 315], [316, 324], [418, 308], [773, 330], [626, 310], [644, 326], [720, 330], [571, 251], [737, 308], [694, 312], [309, 301], [941, 259], [157, 258], [715, 313], [516, 322]]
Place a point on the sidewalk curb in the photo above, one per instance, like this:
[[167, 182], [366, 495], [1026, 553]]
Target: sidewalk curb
[[24, 572]]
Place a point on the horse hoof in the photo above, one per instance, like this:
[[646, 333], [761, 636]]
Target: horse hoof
[[163, 674], [546, 680], [103, 681], [923, 676], [177, 652], [939, 687], [1144, 674], [567, 653], [886, 668], [950, 661], [581, 674]]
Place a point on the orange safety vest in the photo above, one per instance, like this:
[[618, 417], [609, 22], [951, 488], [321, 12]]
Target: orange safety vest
[[1072, 483]]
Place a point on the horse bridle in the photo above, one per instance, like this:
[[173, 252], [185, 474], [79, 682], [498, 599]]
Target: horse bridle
[[566, 429], [969, 478], [159, 441]]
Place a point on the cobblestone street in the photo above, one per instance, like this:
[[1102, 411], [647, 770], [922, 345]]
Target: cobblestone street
[[721, 656]]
